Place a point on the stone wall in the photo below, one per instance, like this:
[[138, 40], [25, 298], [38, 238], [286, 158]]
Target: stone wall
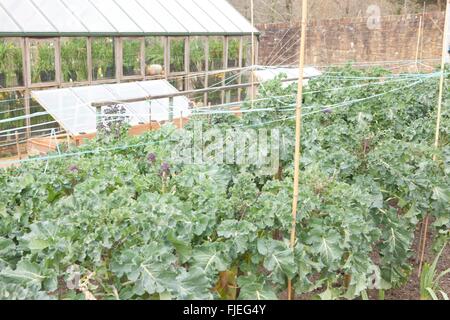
[[335, 41]]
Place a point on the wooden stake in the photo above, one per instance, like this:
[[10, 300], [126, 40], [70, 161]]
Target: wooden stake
[[181, 120], [419, 32], [298, 123], [423, 30], [252, 94], [19, 153], [439, 115]]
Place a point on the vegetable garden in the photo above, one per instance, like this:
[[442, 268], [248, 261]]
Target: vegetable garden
[[134, 225]]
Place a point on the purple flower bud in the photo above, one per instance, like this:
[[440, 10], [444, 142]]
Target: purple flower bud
[[73, 169], [165, 169], [327, 111], [151, 158]]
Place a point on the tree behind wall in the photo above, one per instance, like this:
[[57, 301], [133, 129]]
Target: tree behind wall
[[270, 11]]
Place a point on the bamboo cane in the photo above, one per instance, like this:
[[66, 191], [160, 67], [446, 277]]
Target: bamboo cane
[[252, 94], [298, 123], [419, 33]]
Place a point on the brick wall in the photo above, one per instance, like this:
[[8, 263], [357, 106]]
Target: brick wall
[[350, 39]]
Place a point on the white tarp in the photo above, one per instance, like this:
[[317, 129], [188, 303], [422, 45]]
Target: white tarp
[[269, 73]]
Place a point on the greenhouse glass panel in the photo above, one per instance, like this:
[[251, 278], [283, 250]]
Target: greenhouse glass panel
[[6, 23], [154, 56], [42, 57], [183, 16], [11, 63], [160, 14], [197, 54], [178, 83], [195, 83], [12, 105], [234, 44], [131, 54], [219, 17], [60, 16], [201, 16], [103, 62], [177, 54], [140, 16], [247, 51], [114, 14], [214, 81], [232, 78], [215, 58], [27, 16], [89, 16], [228, 10], [74, 59]]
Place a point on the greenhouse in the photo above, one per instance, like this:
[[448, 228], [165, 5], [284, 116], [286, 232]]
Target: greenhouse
[[193, 44]]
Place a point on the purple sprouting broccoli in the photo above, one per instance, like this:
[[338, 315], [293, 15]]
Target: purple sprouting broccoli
[[151, 158], [73, 169], [327, 111], [165, 169]]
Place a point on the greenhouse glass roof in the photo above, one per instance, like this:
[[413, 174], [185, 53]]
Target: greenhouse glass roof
[[71, 107], [120, 17]]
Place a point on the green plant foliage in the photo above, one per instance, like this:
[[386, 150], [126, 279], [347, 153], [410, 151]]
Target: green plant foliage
[[177, 54], [74, 59], [430, 280], [131, 57], [43, 62], [103, 58], [11, 64], [138, 226]]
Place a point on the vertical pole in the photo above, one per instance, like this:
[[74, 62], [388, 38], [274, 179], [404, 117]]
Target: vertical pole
[[143, 66], [298, 123], [181, 120], [118, 58], [419, 32], [89, 59], [150, 115], [171, 109], [98, 118], [19, 153], [58, 72], [252, 94], [68, 140], [27, 98], [423, 30], [27, 83], [439, 114]]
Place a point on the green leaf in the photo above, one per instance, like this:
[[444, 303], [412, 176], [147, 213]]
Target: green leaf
[[211, 257], [255, 288], [26, 272], [192, 285], [278, 259], [37, 244], [183, 247]]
